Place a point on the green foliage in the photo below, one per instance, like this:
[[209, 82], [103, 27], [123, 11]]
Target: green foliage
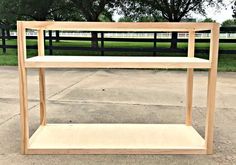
[[208, 20], [139, 19], [8, 11], [66, 12], [93, 10], [172, 11], [40, 10], [125, 19], [105, 16], [36, 10], [229, 22], [101, 10]]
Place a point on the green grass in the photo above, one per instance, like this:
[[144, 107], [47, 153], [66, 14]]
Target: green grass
[[226, 62]]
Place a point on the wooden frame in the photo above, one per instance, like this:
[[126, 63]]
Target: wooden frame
[[116, 138]]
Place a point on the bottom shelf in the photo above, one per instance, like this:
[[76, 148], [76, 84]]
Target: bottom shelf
[[116, 139]]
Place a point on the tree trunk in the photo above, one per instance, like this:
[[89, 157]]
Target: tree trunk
[[174, 38], [94, 42], [57, 36]]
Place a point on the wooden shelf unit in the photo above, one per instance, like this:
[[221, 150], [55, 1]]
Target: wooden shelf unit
[[116, 138]]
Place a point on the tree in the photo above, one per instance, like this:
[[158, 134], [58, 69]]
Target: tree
[[234, 9], [229, 22], [125, 19], [40, 10], [8, 14], [208, 20], [142, 18], [136, 11], [105, 16], [94, 10], [67, 13], [171, 10], [8, 11]]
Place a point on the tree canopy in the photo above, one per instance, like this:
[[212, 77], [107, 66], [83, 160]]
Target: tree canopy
[[41, 10], [208, 20], [170, 10], [92, 9], [8, 11], [102, 10], [234, 10], [229, 22]]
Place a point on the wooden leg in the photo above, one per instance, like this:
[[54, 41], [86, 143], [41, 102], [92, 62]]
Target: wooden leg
[[42, 96], [210, 110], [189, 97], [23, 109]]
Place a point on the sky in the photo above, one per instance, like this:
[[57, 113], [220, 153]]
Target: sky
[[223, 14]]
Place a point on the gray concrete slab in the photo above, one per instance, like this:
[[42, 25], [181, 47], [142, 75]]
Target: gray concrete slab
[[117, 96]]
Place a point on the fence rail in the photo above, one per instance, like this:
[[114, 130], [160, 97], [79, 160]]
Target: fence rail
[[5, 35]]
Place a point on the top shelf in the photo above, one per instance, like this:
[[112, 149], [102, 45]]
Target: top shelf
[[118, 26]]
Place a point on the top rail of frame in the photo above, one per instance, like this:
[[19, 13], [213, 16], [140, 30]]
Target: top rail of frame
[[119, 26]]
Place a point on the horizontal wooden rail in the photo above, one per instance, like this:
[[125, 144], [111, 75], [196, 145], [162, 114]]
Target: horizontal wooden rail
[[119, 26]]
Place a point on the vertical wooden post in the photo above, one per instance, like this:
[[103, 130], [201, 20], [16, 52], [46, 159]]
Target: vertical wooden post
[[189, 90], [41, 52], [211, 91], [21, 40]]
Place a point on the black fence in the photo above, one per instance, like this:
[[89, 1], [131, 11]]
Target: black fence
[[5, 35]]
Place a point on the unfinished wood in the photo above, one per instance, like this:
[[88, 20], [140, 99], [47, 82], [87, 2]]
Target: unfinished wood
[[115, 62], [118, 138], [117, 151], [119, 26], [191, 44], [21, 42], [42, 94], [189, 95], [211, 92]]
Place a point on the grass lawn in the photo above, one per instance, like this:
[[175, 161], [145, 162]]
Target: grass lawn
[[226, 62]]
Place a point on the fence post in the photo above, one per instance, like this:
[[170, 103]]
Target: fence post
[[8, 33], [4, 50], [102, 43], [57, 35], [155, 44], [44, 38], [50, 42]]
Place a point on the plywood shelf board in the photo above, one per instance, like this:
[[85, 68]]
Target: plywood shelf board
[[116, 136], [115, 62]]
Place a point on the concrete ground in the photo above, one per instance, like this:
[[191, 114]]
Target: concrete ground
[[117, 96]]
